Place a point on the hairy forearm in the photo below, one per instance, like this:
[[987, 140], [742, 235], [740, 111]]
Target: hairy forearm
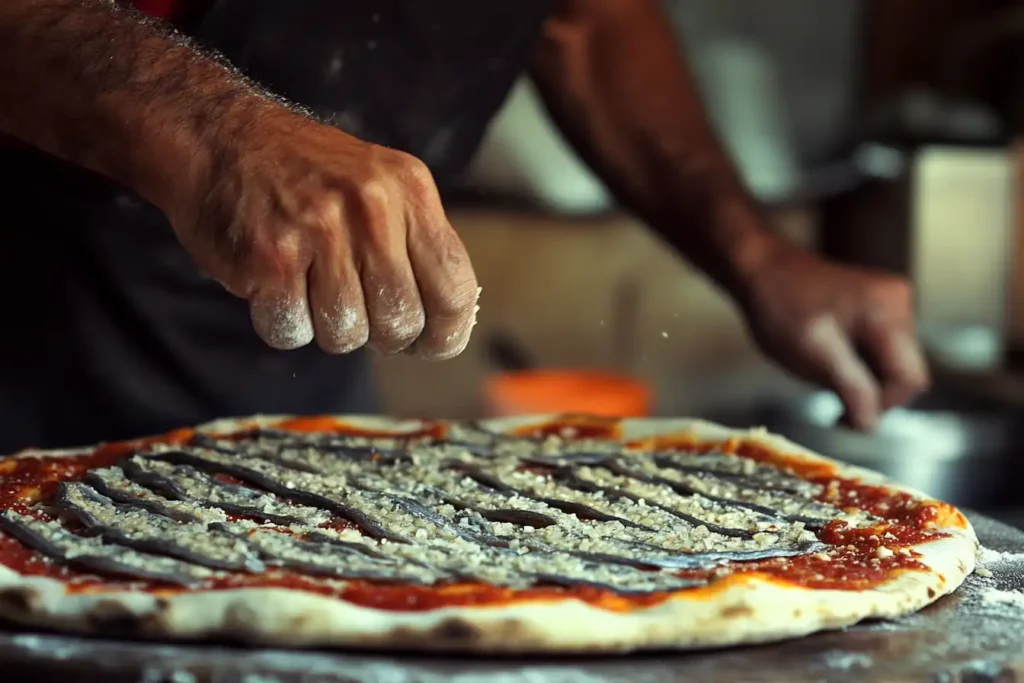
[[102, 87], [611, 75]]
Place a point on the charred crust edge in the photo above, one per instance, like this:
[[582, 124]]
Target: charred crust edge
[[455, 629], [736, 611], [457, 633], [112, 616], [18, 599]]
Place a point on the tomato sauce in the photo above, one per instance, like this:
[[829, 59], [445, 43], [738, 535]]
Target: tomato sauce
[[859, 559], [574, 427], [332, 425]]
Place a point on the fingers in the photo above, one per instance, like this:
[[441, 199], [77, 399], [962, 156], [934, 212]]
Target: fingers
[[897, 359], [278, 305], [831, 359], [282, 318], [363, 258], [393, 305], [395, 311], [445, 278], [336, 300], [449, 292], [389, 272]]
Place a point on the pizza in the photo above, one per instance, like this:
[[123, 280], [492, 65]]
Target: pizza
[[527, 535]]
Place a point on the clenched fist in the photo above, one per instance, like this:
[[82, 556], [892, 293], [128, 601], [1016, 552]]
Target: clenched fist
[[330, 238]]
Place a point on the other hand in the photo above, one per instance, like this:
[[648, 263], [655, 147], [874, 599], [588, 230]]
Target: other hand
[[330, 238], [849, 329]]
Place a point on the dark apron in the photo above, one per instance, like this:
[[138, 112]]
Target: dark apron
[[110, 332]]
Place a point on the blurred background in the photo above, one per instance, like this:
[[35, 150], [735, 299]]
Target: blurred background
[[879, 133]]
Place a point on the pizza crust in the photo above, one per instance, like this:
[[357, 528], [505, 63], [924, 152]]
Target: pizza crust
[[741, 609]]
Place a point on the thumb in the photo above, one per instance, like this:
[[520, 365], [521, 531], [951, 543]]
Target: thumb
[[831, 358]]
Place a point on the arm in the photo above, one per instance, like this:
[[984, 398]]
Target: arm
[[106, 89], [611, 76], [328, 237]]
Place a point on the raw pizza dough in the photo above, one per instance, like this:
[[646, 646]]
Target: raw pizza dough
[[638, 558]]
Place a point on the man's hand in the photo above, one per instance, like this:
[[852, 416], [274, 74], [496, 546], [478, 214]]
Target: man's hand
[[610, 73], [332, 238], [851, 330], [326, 236]]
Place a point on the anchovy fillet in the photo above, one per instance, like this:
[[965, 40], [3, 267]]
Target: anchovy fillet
[[145, 531], [496, 508], [91, 554]]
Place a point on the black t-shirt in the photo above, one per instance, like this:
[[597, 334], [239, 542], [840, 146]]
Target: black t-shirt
[[109, 331]]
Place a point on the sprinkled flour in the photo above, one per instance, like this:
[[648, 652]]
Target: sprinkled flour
[[838, 660], [1011, 599], [989, 559], [283, 323], [992, 595], [344, 327], [988, 556]]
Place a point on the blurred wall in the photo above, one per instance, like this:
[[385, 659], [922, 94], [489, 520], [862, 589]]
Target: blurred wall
[[812, 47]]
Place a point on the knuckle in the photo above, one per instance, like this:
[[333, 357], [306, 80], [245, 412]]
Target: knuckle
[[275, 254], [324, 213], [373, 195], [232, 242], [371, 213], [895, 290], [398, 319], [818, 333], [393, 335], [343, 330], [416, 176], [458, 299]]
